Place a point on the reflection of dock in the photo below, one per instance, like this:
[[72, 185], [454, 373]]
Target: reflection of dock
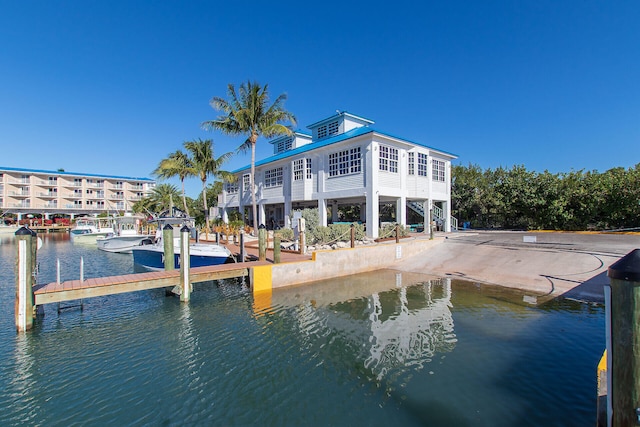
[[79, 289], [50, 228]]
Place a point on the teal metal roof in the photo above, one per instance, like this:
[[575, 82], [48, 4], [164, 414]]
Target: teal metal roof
[[48, 172], [333, 140]]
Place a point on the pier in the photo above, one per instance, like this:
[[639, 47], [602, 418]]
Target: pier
[[80, 289]]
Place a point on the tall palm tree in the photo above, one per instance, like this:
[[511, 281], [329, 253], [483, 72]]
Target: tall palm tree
[[204, 165], [177, 164], [248, 112]]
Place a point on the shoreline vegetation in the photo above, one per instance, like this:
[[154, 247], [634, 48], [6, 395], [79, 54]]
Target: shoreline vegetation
[[517, 198]]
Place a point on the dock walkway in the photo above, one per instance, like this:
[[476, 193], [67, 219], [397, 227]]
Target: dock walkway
[[101, 286]]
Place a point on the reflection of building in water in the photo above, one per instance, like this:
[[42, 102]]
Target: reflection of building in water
[[411, 336], [399, 328]]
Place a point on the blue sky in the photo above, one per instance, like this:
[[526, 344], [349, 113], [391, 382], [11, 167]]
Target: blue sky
[[112, 87]]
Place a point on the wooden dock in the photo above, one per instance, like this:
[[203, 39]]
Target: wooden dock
[[77, 289]]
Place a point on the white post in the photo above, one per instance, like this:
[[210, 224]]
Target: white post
[[23, 277], [185, 264]]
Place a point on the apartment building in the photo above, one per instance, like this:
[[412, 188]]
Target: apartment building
[[29, 191], [344, 161]]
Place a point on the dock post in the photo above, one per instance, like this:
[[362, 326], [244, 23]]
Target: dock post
[[262, 243], [185, 264], [624, 340], [243, 253], [276, 248], [397, 233], [24, 280], [167, 240], [353, 236]]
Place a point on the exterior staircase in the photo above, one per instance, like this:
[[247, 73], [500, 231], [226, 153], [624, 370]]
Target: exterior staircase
[[438, 214]]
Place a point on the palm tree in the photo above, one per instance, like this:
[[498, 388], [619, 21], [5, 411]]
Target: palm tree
[[205, 164], [162, 196], [248, 112], [177, 164]]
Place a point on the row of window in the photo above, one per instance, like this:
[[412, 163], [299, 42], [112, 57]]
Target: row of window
[[348, 162]]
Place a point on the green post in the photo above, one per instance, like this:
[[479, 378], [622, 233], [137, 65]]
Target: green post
[[276, 248], [167, 241], [624, 393], [24, 280], [185, 265], [262, 243]]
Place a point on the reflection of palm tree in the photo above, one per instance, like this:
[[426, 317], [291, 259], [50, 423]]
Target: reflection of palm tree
[[204, 164], [247, 112], [177, 164]]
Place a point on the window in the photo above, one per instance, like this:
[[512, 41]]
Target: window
[[273, 177], [298, 166], [422, 164], [284, 145], [388, 158], [77, 203], [309, 169], [328, 130], [411, 163], [246, 182], [437, 172], [231, 187], [345, 162]]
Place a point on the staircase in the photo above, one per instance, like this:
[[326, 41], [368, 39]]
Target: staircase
[[438, 214]]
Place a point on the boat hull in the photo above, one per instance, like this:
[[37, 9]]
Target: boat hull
[[152, 256], [86, 237], [121, 244]]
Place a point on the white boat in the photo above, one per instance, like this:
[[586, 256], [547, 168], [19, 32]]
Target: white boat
[[151, 256], [124, 237], [88, 229]]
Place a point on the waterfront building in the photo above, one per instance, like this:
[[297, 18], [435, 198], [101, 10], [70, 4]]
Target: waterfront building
[[344, 161], [31, 191]]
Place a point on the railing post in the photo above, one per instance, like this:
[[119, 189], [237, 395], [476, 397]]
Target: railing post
[[243, 253], [262, 243], [624, 395], [353, 236], [397, 233], [185, 265], [432, 224], [167, 241], [24, 280], [276, 248]]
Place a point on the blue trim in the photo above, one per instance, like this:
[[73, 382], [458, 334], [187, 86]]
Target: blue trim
[[42, 171], [333, 140]]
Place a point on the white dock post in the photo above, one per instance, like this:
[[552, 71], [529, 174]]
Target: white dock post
[[24, 280], [185, 264]]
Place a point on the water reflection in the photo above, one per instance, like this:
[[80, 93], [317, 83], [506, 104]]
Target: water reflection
[[399, 327]]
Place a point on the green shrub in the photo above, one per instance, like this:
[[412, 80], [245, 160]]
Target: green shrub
[[285, 234]]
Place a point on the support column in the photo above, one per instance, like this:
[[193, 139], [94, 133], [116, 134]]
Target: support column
[[334, 211], [185, 265], [262, 217], [624, 356], [401, 211], [322, 212], [167, 241], [24, 280]]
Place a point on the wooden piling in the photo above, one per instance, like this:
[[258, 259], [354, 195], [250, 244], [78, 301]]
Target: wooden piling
[[353, 236], [167, 241], [624, 394], [262, 243], [243, 252], [24, 271], [185, 265], [276, 248], [397, 233]]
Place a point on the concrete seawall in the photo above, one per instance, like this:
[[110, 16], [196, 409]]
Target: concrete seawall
[[549, 264]]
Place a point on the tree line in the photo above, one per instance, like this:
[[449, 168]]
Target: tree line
[[517, 198]]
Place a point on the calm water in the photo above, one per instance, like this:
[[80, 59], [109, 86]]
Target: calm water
[[376, 350]]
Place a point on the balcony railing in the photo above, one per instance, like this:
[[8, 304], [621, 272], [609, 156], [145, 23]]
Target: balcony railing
[[21, 193]]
